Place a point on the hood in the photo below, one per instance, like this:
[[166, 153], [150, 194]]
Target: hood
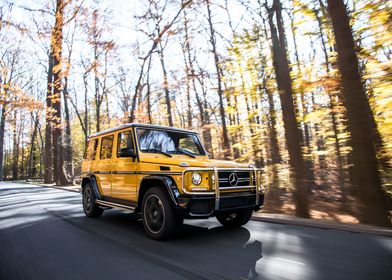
[[192, 162]]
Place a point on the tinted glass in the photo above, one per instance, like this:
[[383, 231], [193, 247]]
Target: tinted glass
[[125, 143], [172, 142], [106, 147], [188, 144], [91, 149]]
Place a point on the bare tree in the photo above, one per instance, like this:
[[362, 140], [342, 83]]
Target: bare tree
[[225, 135]]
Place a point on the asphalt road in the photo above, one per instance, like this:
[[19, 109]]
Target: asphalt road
[[45, 235]]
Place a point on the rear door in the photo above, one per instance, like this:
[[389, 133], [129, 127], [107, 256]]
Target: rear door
[[104, 165]]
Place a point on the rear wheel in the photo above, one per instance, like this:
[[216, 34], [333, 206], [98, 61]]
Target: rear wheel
[[159, 220], [90, 207], [235, 219]]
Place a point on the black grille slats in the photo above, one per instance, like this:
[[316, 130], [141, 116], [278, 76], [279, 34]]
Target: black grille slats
[[242, 178]]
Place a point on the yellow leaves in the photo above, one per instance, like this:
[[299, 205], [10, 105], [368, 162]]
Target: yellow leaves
[[14, 98], [304, 9], [320, 153], [316, 116]]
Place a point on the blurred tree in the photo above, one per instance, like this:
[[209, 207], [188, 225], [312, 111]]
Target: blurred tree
[[292, 131], [372, 207]]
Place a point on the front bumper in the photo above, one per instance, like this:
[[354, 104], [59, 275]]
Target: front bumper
[[204, 206], [207, 204]]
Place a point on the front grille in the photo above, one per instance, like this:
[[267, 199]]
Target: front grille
[[226, 176]]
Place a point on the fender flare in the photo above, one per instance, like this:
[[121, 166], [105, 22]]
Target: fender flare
[[169, 184], [93, 181]]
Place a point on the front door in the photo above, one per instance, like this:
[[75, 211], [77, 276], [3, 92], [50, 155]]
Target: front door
[[124, 178]]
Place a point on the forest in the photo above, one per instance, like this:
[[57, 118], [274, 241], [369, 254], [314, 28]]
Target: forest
[[299, 88]]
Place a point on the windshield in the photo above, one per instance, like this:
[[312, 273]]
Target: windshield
[[169, 142]]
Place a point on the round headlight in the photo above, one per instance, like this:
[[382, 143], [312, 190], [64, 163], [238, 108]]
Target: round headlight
[[196, 178]]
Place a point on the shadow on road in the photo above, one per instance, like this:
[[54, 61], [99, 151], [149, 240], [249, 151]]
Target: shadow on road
[[198, 247], [45, 235]]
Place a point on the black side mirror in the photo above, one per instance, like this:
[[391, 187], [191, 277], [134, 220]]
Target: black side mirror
[[127, 152]]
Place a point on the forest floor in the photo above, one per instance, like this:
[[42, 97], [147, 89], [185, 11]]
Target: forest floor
[[325, 203]]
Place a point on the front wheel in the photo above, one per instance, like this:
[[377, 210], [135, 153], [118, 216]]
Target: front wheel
[[235, 219], [159, 220], [90, 207]]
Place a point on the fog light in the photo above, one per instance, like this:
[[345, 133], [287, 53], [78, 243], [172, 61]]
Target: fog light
[[196, 178]]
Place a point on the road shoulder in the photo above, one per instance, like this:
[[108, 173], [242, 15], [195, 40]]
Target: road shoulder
[[291, 220]]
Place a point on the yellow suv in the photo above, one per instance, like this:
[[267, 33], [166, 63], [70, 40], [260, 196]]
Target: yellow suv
[[166, 176]]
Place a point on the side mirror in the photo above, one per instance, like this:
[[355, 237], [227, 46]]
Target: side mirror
[[127, 152]]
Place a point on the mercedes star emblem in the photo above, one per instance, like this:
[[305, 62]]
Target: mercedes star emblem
[[233, 179]]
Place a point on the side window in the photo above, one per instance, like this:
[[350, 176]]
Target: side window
[[125, 146], [91, 149], [106, 147]]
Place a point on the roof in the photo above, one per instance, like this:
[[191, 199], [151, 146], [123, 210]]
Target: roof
[[123, 126]]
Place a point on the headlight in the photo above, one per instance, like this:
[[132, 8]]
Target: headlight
[[196, 178], [213, 179]]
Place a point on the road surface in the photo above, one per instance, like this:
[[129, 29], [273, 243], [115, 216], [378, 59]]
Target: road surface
[[45, 235]]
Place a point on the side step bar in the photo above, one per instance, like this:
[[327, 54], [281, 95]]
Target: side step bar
[[115, 205]]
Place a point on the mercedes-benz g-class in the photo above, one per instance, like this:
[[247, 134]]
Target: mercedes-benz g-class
[[165, 175]]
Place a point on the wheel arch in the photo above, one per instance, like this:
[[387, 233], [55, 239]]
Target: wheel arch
[[165, 182], [93, 181]]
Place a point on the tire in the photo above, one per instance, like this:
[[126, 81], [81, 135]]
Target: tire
[[235, 219], [158, 215], [90, 207]]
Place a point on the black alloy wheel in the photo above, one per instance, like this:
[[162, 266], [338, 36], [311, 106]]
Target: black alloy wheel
[[90, 207], [158, 215]]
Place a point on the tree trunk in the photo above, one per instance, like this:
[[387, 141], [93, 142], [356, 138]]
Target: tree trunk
[[189, 77], [30, 162], [15, 149], [166, 88], [273, 135], [204, 116], [225, 142], [2, 127], [148, 93], [48, 157], [370, 197], [67, 136], [58, 156], [292, 132], [85, 123]]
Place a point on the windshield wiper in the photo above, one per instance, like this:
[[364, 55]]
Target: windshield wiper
[[186, 153], [158, 151]]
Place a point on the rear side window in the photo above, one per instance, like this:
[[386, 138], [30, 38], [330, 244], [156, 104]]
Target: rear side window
[[91, 149], [106, 147], [125, 144]]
